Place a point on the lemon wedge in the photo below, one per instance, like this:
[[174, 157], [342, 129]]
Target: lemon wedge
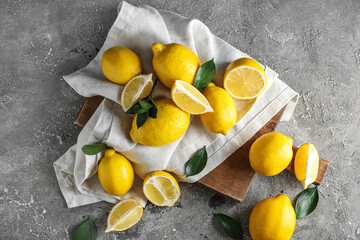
[[306, 164], [136, 89], [161, 188], [189, 99], [124, 215], [244, 79]]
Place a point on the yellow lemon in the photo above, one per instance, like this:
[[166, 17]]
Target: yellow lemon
[[244, 79], [171, 124], [189, 99], [173, 62], [115, 173], [124, 215], [271, 153], [120, 64], [161, 188], [306, 164], [224, 114], [272, 218]]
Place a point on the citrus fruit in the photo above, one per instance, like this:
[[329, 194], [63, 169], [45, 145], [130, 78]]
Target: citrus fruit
[[161, 188], [224, 114], [115, 173], [124, 215], [120, 64], [244, 79], [136, 89], [272, 218], [173, 62], [306, 164], [271, 153], [171, 124], [189, 99]]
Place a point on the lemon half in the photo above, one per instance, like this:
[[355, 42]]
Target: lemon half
[[124, 215], [306, 164], [161, 188], [136, 89], [244, 79], [189, 99]]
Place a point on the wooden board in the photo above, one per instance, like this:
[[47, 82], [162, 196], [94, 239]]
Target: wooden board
[[231, 178]]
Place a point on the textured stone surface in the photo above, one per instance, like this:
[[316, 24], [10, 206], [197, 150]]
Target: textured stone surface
[[313, 45]]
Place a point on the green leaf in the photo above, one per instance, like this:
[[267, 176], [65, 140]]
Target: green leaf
[[197, 163], [153, 111], [205, 75], [141, 119], [141, 110], [131, 110], [145, 104], [232, 228], [86, 231], [306, 202], [93, 148], [140, 107]]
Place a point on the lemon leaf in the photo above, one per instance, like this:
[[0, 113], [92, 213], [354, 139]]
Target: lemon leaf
[[232, 227], [86, 231], [205, 75], [132, 110], [306, 202], [93, 148], [153, 111], [139, 108], [145, 104], [197, 163], [141, 119]]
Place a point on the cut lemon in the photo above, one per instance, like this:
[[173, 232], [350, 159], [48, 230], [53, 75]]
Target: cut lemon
[[244, 79], [124, 215], [306, 164], [161, 189], [136, 89], [189, 99]]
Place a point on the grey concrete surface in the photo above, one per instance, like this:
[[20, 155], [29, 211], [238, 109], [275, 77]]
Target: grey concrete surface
[[313, 45]]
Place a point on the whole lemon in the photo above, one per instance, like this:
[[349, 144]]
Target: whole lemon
[[271, 153], [272, 218], [120, 64], [173, 62], [171, 123], [115, 173], [224, 116]]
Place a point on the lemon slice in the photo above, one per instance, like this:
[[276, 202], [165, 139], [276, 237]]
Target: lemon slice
[[244, 79], [136, 89], [161, 189], [124, 215], [306, 164], [189, 99]]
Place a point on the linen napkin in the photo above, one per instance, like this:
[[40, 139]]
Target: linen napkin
[[137, 28]]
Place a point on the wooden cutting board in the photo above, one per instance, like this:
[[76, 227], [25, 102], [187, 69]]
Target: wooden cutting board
[[231, 178]]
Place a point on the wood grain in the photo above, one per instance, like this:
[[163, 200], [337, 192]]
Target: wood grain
[[89, 107], [231, 178]]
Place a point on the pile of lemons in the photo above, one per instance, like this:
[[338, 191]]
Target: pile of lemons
[[176, 67]]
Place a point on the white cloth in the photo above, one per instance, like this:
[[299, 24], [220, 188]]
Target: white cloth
[[137, 28]]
